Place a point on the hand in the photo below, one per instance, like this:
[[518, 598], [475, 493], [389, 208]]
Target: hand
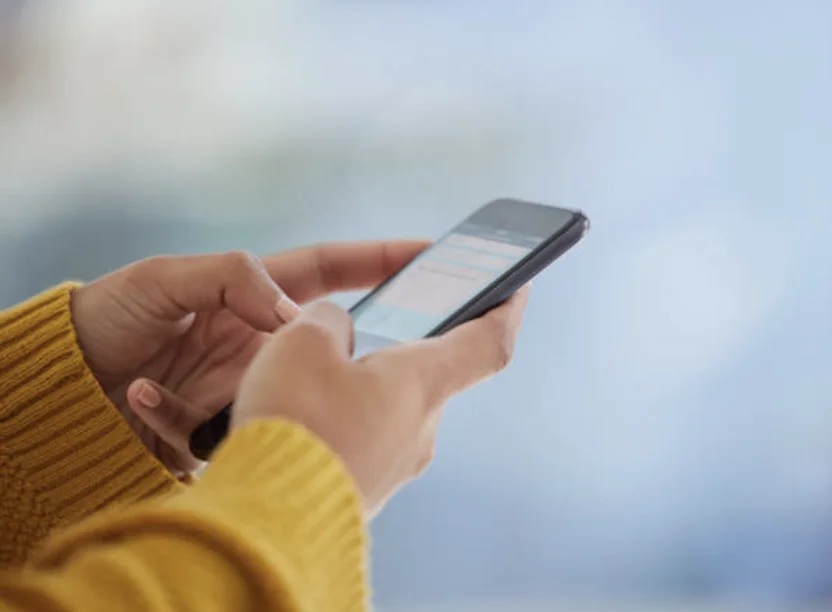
[[379, 413], [193, 324]]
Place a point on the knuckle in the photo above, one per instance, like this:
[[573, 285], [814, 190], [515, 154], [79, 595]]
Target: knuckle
[[330, 310], [175, 421], [502, 345], [244, 260], [425, 460], [147, 268], [312, 334], [181, 419], [504, 354]]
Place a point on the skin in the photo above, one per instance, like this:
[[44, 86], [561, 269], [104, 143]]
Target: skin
[[205, 330], [380, 413], [193, 324]]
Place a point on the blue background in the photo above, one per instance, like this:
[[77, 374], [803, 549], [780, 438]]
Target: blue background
[[665, 432]]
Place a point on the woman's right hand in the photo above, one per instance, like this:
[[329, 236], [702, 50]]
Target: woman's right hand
[[379, 413]]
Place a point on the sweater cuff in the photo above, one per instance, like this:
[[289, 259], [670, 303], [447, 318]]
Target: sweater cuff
[[276, 503], [285, 484], [76, 450]]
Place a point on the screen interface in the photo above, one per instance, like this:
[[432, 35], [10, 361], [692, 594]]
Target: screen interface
[[440, 281]]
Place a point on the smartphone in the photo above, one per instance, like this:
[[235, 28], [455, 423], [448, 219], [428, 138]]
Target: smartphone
[[470, 270], [473, 268]]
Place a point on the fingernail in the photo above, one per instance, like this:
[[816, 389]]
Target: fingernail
[[286, 309], [148, 396]]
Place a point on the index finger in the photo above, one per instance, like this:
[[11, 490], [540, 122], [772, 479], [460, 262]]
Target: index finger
[[462, 357], [308, 273], [173, 287]]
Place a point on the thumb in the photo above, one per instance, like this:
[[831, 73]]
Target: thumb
[[169, 416]]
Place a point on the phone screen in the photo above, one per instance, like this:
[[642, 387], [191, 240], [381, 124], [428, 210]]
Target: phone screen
[[451, 272]]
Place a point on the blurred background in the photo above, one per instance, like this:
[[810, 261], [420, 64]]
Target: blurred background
[[663, 440]]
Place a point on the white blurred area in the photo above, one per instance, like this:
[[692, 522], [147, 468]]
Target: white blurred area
[[664, 437], [217, 99]]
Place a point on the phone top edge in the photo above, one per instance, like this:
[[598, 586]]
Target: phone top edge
[[580, 217], [576, 211]]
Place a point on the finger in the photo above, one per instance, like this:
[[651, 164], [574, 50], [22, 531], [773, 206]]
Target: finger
[[170, 417], [322, 328], [462, 357], [312, 272], [173, 287], [179, 464]]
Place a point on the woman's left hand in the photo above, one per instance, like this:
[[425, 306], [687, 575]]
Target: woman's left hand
[[192, 324]]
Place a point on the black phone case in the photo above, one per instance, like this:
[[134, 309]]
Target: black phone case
[[210, 434], [520, 274]]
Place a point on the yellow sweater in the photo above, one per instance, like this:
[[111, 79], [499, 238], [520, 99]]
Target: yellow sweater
[[274, 524]]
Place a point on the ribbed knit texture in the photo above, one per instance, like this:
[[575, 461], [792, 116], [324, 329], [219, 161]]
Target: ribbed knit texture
[[274, 524], [65, 451]]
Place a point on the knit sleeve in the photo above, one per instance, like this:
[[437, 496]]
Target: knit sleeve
[[65, 450], [275, 524]]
